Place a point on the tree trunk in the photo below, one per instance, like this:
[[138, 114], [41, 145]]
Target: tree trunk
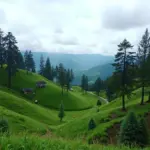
[[142, 98], [123, 103], [62, 92], [9, 76]]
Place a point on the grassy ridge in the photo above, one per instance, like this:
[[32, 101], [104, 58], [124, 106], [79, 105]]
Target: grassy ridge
[[50, 96]]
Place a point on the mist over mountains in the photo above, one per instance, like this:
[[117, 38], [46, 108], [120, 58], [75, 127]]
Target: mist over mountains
[[93, 65]]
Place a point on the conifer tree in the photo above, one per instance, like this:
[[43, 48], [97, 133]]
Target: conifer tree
[[21, 63], [41, 72], [91, 124], [122, 63], [48, 70], [97, 85], [61, 76], [143, 52], [129, 131], [11, 55], [2, 49], [61, 113]]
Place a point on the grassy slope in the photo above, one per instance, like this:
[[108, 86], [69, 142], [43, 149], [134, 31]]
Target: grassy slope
[[49, 96], [79, 126]]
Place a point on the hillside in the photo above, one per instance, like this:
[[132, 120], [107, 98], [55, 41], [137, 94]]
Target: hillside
[[102, 71], [107, 118], [50, 96]]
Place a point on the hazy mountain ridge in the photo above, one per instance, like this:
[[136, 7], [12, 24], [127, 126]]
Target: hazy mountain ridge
[[75, 61]]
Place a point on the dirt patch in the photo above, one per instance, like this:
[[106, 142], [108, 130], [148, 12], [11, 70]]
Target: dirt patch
[[113, 133]]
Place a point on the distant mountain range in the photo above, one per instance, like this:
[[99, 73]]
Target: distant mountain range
[[75, 61], [102, 71], [93, 65]]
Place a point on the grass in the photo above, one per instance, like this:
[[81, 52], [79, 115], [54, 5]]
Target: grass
[[38, 143], [50, 96], [108, 115]]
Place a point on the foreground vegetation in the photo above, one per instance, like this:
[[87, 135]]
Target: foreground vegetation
[[47, 143]]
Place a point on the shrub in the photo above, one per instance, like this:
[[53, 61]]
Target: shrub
[[91, 124], [99, 103], [4, 127], [129, 130], [61, 113], [143, 133]]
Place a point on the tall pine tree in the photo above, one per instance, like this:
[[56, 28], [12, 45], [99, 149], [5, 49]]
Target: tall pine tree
[[11, 55], [2, 49], [143, 51], [121, 64], [41, 72]]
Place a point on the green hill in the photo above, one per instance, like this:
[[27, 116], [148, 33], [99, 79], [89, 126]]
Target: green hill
[[50, 96], [102, 71]]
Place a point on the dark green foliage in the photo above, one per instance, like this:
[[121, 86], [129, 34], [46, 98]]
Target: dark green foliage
[[124, 62], [143, 133], [2, 49], [61, 112], [4, 127], [29, 61], [129, 131], [91, 124], [11, 55], [62, 76], [41, 72], [21, 63], [48, 72], [98, 85], [99, 102], [143, 62], [84, 83]]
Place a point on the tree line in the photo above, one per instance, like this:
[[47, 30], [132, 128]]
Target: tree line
[[132, 70], [11, 56]]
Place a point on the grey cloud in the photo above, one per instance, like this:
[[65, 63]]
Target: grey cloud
[[65, 41], [2, 17], [122, 18]]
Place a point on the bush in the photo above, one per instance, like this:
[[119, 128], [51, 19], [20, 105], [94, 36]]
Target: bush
[[91, 124], [4, 127], [129, 131], [61, 113], [99, 103], [143, 133]]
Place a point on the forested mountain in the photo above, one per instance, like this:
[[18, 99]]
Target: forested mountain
[[74, 61]]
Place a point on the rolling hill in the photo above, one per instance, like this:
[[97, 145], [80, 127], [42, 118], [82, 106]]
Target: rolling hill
[[50, 96]]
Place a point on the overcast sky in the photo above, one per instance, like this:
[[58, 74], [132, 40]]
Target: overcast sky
[[75, 26]]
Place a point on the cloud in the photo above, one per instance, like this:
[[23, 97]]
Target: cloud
[[120, 16], [74, 26]]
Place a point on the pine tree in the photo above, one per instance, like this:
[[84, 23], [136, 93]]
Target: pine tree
[[61, 76], [143, 52], [11, 55], [31, 62], [61, 112], [129, 131], [86, 84], [68, 79], [143, 133], [21, 63], [26, 61], [2, 49], [122, 59], [91, 124], [48, 70], [41, 72], [97, 85], [83, 82]]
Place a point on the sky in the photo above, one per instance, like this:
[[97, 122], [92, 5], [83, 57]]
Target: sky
[[75, 26]]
